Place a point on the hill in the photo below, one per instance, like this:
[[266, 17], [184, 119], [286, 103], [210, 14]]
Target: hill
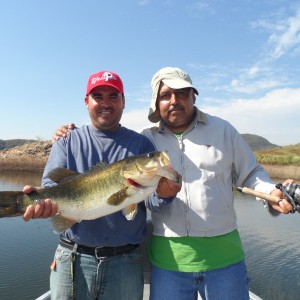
[[7, 144], [257, 142]]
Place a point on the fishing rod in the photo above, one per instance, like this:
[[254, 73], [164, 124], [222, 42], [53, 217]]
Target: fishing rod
[[290, 191]]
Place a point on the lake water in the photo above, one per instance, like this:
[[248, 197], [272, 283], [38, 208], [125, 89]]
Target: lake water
[[272, 247]]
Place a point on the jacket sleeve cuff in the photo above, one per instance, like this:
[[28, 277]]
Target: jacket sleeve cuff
[[163, 200]]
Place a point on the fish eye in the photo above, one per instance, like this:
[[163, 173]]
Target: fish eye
[[151, 154]]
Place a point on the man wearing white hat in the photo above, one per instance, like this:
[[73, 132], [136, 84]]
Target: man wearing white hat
[[195, 245]]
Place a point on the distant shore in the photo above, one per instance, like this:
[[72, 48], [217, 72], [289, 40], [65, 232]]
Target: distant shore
[[19, 164], [283, 171]]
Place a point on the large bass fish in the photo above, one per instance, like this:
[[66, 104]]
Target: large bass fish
[[103, 190]]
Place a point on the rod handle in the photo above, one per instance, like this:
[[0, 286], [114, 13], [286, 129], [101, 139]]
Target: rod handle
[[268, 197]]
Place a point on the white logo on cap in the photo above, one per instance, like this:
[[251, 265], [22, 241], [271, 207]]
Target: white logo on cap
[[106, 76]]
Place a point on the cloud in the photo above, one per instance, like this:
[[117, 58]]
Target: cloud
[[258, 78], [247, 87], [274, 116], [199, 8], [253, 80], [287, 38], [264, 75], [135, 119], [284, 36], [143, 2]]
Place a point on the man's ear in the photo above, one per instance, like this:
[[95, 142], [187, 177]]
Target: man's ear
[[86, 101], [194, 97]]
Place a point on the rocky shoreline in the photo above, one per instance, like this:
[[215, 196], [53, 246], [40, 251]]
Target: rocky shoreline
[[29, 157], [33, 157]]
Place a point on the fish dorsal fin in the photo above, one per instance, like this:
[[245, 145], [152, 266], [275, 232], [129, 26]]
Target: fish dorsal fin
[[59, 175], [61, 224], [130, 211], [101, 165], [118, 197]]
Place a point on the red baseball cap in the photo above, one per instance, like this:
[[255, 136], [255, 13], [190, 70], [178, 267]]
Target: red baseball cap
[[105, 78]]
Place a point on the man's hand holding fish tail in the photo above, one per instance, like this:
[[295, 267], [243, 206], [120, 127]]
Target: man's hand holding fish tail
[[44, 209]]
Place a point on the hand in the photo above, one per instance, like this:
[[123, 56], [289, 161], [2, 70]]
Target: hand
[[62, 131], [44, 209], [169, 188], [283, 206]]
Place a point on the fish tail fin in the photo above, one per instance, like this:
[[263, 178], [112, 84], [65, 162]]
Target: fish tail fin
[[11, 204]]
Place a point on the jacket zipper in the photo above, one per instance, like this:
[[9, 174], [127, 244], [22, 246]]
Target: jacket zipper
[[181, 147]]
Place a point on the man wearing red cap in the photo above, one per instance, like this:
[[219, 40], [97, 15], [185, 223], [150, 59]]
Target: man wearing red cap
[[80, 270]]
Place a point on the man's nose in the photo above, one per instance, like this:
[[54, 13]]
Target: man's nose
[[174, 98], [105, 102], [105, 99]]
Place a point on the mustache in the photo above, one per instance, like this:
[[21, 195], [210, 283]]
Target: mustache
[[176, 107]]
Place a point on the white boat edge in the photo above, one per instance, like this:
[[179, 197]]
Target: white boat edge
[[47, 295], [147, 270]]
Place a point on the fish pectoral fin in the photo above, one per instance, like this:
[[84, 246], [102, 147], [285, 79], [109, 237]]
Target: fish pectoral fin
[[118, 197], [61, 224], [59, 175], [130, 211]]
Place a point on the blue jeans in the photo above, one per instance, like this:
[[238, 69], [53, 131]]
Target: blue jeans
[[108, 278], [230, 283]]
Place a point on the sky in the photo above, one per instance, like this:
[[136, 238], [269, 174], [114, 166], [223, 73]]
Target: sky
[[242, 55]]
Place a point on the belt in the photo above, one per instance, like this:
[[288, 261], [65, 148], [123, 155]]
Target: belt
[[97, 251]]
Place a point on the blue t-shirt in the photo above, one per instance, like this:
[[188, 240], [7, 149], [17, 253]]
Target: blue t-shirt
[[83, 148]]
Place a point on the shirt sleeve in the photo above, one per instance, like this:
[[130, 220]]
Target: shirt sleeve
[[57, 159]]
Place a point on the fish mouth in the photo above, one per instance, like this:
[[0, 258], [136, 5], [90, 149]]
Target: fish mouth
[[163, 166], [168, 172], [134, 183], [164, 171], [148, 171]]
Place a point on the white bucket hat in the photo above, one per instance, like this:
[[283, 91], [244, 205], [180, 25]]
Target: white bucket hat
[[174, 78]]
